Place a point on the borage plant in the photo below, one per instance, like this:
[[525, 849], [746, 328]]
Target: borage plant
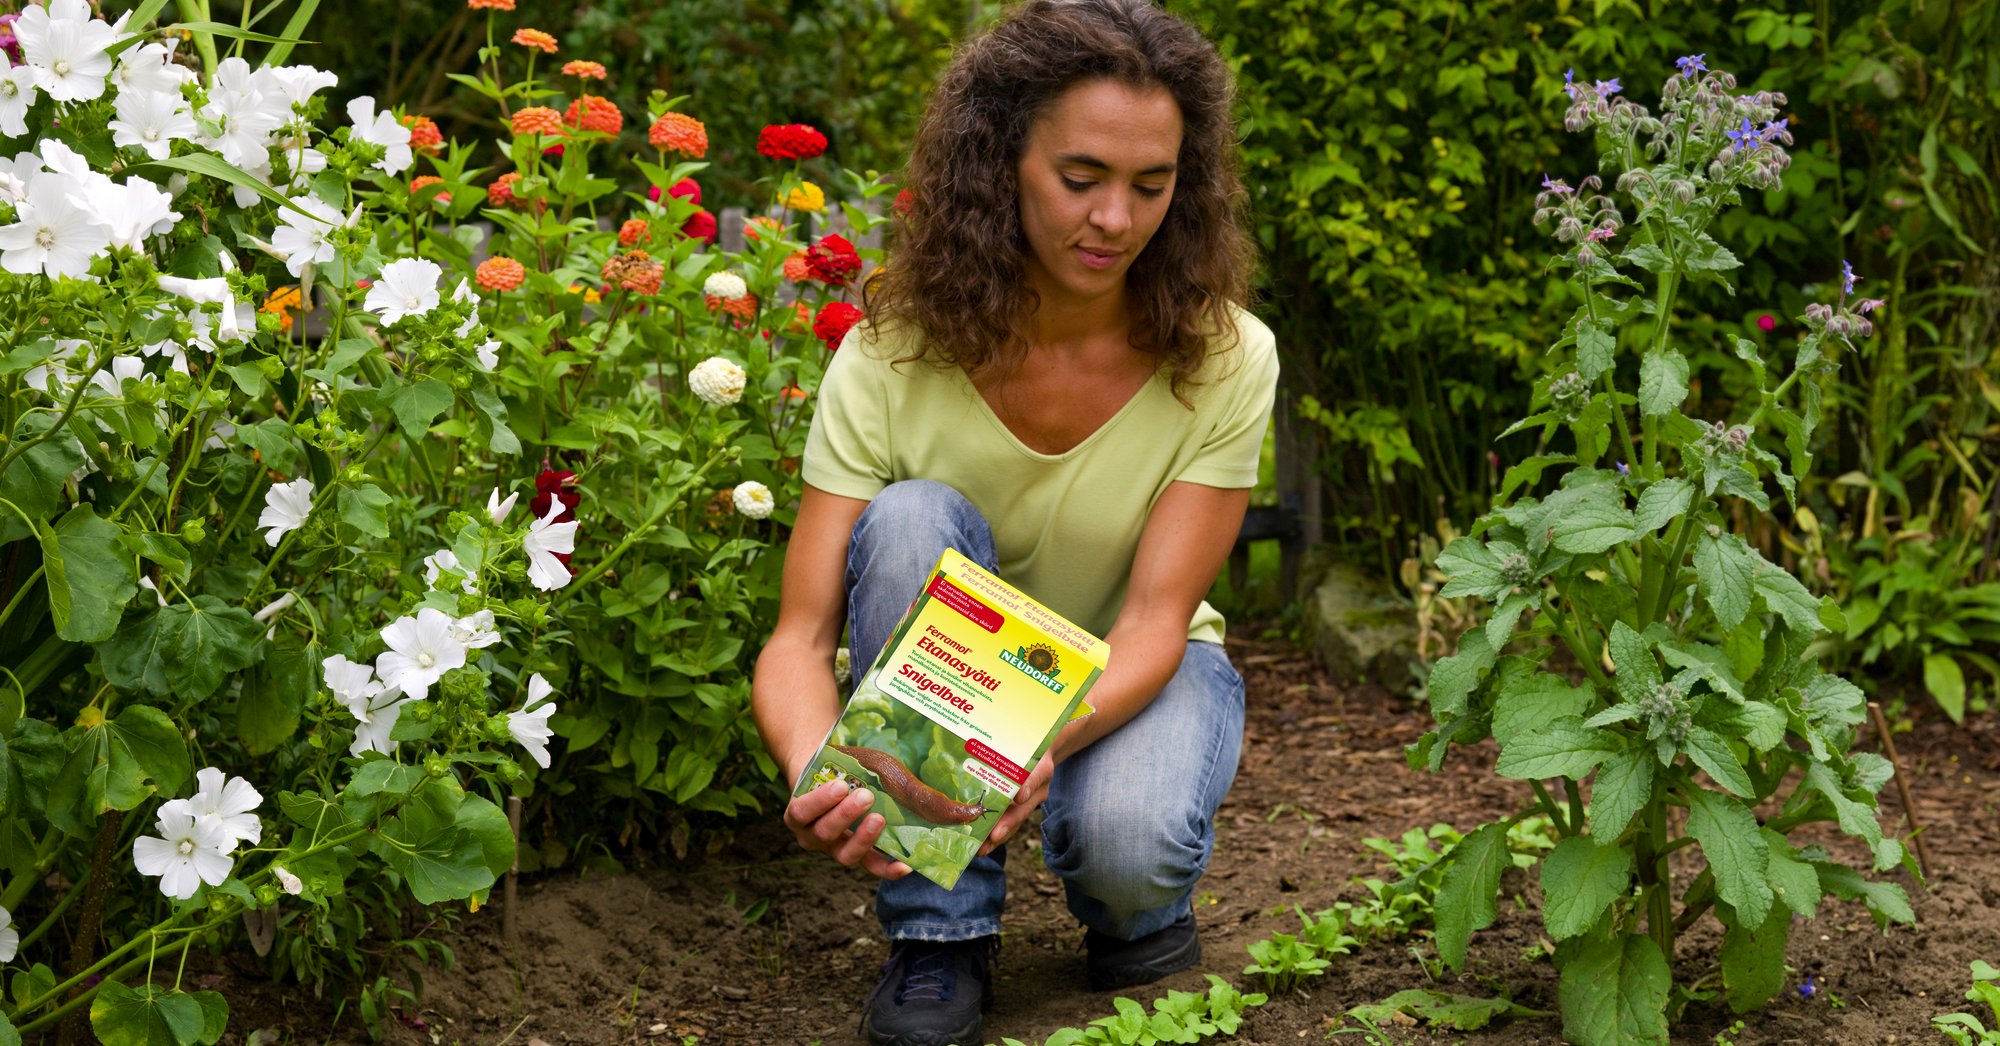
[[1698, 712]]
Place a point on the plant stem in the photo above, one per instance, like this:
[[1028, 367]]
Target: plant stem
[[1549, 807]]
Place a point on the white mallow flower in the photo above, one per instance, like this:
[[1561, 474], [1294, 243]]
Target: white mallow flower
[[489, 353], [476, 630], [406, 287], [381, 129], [67, 48], [297, 83], [497, 507], [150, 120], [53, 236], [421, 650], [111, 380], [753, 499], [303, 160], [286, 507], [530, 725], [353, 684], [15, 174], [717, 381], [440, 561], [130, 212], [229, 802], [724, 284], [10, 938], [544, 539], [302, 239], [150, 68], [375, 708], [287, 881], [247, 114], [17, 96], [189, 851]]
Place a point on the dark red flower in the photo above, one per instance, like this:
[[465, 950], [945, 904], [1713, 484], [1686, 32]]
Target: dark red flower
[[833, 260], [561, 486], [553, 150], [700, 225], [653, 193], [835, 319], [905, 199], [686, 189], [790, 141]]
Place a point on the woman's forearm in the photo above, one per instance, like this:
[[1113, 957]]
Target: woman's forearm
[[1144, 658], [795, 700]]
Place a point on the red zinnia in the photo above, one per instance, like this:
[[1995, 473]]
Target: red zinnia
[[790, 141], [835, 319], [501, 192], [833, 260], [594, 113], [700, 225], [905, 199], [685, 189]]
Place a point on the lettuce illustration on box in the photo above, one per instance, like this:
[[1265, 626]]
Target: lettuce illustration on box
[[964, 698]]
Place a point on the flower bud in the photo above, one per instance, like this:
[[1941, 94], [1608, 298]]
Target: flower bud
[[194, 532], [436, 765], [267, 895]]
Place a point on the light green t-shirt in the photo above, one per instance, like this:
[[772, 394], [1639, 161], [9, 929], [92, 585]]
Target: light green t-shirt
[[1066, 526]]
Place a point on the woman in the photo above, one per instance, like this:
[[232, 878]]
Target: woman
[[1059, 381]]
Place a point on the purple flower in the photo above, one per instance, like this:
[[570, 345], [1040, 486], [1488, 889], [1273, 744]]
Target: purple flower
[[1847, 277], [1772, 130], [1746, 138], [1624, 469], [1569, 84], [1599, 235], [1607, 88], [1807, 989], [1692, 64], [1554, 186], [1868, 305], [1767, 323]]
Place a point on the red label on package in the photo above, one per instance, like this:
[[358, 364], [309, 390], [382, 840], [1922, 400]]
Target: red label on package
[[1007, 767], [960, 600]]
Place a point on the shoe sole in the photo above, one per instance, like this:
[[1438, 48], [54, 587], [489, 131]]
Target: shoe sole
[[967, 1036], [1115, 977]]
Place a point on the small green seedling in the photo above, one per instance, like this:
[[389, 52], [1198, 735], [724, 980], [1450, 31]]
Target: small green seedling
[[1964, 1028]]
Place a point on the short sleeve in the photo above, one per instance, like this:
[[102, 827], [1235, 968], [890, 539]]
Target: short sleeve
[[1239, 410], [847, 448]]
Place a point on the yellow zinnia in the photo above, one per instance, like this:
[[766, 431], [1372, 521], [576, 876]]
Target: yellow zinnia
[[807, 197]]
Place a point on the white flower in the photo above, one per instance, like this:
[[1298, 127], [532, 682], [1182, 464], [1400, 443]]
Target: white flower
[[15, 174], [476, 630], [497, 508], [489, 353], [212, 290], [304, 161], [188, 852], [275, 607], [352, 684], [463, 293], [302, 239], [287, 881], [724, 284], [372, 734], [717, 381], [147, 584], [130, 212], [544, 539], [53, 235], [17, 95], [382, 129], [151, 120], [753, 499], [442, 560], [530, 725], [150, 69], [406, 287], [286, 507], [111, 380], [375, 708], [421, 650], [10, 938], [248, 115], [230, 802], [298, 83], [67, 48]]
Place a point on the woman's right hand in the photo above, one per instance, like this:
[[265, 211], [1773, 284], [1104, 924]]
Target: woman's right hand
[[820, 818]]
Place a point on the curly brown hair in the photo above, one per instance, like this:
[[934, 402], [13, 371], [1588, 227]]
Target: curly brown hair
[[958, 271]]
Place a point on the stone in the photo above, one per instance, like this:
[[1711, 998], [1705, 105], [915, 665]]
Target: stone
[[1361, 630]]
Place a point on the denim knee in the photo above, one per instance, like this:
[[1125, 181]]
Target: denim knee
[[917, 519], [1126, 853]]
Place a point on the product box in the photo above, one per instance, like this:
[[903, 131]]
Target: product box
[[965, 697]]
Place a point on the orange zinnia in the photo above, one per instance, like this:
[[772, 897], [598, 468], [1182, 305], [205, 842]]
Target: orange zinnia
[[744, 308], [501, 192], [424, 134], [499, 273], [537, 119], [681, 133], [490, 5], [796, 269], [536, 39], [633, 231], [423, 182], [281, 303], [587, 70], [755, 228], [593, 113]]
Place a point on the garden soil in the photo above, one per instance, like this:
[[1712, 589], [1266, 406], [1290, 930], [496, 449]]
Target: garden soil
[[762, 944]]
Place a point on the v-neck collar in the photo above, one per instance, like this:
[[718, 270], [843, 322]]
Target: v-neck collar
[[986, 409]]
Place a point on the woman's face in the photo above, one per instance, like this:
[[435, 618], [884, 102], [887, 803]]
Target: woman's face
[[1096, 176]]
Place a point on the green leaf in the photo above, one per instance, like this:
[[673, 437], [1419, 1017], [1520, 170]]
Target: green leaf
[[90, 577], [8, 1036], [1589, 519], [1753, 961], [440, 858], [1713, 754], [418, 404], [1786, 597], [1760, 724], [1500, 627], [1440, 1010], [1724, 567], [150, 1016], [1524, 704], [1564, 748], [34, 481], [1792, 880], [1885, 901], [1946, 682], [186, 649], [213, 166], [1580, 879], [1663, 383], [366, 509], [1454, 678], [1470, 568], [1623, 785], [275, 692], [1465, 899], [1614, 993], [1663, 502], [1632, 656], [1736, 852], [1855, 818], [1595, 348], [1829, 699], [117, 764]]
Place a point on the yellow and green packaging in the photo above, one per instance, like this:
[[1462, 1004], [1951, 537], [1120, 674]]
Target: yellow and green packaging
[[962, 702]]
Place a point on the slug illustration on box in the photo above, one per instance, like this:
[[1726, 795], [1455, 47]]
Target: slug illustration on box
[[965, 697]]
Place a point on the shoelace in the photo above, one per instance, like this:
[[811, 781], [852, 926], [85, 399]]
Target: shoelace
[[930, 980]]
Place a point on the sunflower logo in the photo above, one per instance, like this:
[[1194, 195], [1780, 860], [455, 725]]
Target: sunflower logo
[[1042, 658]]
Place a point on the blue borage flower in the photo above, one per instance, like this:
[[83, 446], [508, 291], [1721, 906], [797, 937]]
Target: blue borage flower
[[1607, 88], [1689, 65], [1847, 277], [1569, 83], [1746, 138], [1555, 186], [1807, 989]]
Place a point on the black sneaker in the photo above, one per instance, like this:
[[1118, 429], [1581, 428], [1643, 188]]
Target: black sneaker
[[932, 993], [1122, 964]]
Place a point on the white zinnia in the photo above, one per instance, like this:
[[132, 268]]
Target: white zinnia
[[442, 560], [753, 499], [189, 851], [17, 96], [229, 802], [381, 129], [406, 287], [530, 725], [302, 239], [497, 508], [724, 284], [286, 507], [67, 48], [544, 539], [151, 120], [53, 235], [716, 380], [421, 650]]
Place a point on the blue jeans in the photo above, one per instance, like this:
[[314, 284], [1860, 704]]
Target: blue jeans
[[1127, 825]]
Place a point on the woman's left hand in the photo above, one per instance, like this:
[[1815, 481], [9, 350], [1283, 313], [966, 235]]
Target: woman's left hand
[[1032, 792]]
